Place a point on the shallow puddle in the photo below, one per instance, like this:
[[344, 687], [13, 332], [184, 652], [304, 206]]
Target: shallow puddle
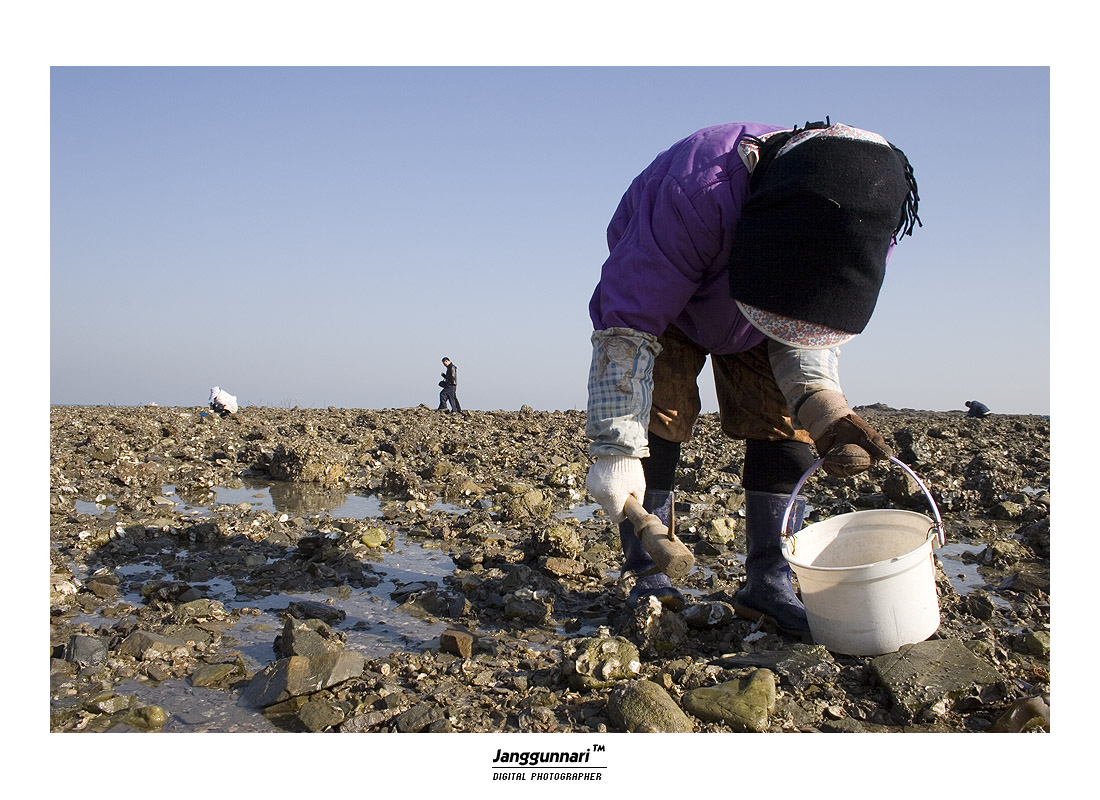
[[963, 574], [373, 624], [93, 507], [373, 627]]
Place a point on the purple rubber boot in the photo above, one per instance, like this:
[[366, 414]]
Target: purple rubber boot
[[768, 593], [637, 561]]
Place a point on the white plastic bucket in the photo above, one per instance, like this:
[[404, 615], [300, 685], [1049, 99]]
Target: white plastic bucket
[[868, 578]]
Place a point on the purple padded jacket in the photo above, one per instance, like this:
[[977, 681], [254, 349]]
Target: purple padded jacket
[[669, 243]]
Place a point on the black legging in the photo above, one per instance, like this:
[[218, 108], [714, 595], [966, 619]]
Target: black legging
[[773, 467]]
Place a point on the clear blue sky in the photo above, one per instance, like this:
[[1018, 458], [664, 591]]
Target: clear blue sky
[[323, 236]]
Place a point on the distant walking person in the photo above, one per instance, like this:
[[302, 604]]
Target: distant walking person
[[449, 388], [977, 409]]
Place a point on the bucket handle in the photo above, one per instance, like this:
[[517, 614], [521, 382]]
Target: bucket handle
[[936, 530]]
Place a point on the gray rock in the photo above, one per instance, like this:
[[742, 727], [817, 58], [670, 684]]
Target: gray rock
[[1028, 715], [419, 717], [980, 604], [407, 591], [144, 645], [902, 490], [104, 587], [201, 609], [849, 725], [1005, 553], [64, 710], [520, 576], [991, 475], [209, 675], [1037, 643], [431, 603], [1031, 579], [110, 703], [189, 594], [744, 703], [1006, 509], [191, 634], [1036, 535], [85, 650], [941, 670], [640, 706], [366, 721], [309, 637], [301, 675], [321, 713], [799, 666], [61, 671], [206, 531], [308, 609], [529, 605]]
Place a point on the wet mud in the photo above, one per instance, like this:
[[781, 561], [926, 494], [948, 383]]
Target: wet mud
[[407, 570]]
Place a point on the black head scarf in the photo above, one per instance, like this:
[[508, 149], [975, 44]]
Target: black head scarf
[[816, 228]]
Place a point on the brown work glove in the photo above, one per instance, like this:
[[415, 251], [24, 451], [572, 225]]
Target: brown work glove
[[847, 443]]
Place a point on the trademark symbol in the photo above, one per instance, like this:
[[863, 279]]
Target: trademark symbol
[[597, 748]]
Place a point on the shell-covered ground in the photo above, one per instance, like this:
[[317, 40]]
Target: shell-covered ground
[[522, 624]]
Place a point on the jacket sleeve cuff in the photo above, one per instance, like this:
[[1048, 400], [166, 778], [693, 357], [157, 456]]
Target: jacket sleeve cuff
[[620, 392], [801, 373]]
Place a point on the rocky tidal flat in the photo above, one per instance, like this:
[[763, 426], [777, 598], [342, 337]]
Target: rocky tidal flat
[[405, 570]]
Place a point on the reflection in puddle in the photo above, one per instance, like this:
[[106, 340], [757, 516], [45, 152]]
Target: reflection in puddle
[[959, 564], [197, 709], [292, 499], [299, 499], [373, 624], [296, 500], [964, 574], [581, 512]]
